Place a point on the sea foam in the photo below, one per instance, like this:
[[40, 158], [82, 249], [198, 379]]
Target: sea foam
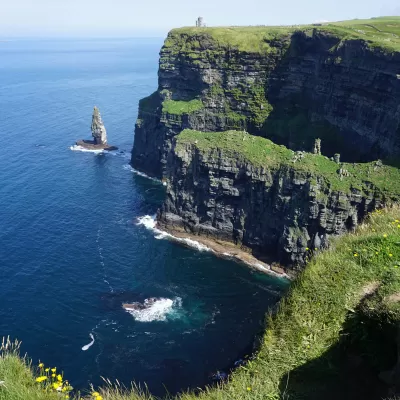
[[86, 347], [157, 311], [75, 147], [136, 172], [149, 222]]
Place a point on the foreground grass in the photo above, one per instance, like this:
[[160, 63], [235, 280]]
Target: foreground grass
[[308, 324], [263, 153]]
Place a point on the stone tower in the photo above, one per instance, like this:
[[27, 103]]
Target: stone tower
[[317, 146], [98, 130], [199, 22]]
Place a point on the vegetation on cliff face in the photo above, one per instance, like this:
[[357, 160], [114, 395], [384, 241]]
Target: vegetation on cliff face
[[326, 322], [181, 107], [263, 153]]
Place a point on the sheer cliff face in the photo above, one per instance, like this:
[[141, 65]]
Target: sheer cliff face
[[294, 89], [281, 212], [291, 89]]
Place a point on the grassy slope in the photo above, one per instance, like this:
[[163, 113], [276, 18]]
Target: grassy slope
[[308, 323], [181, 107], [264, 153], [377, 32]]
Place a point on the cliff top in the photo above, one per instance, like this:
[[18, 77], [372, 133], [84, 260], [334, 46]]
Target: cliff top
[[261, 152], [383, 32]]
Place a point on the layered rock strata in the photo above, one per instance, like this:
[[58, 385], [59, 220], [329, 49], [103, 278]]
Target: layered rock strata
[[293, 86]]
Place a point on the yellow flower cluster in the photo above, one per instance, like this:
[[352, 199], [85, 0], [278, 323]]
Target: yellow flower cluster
[[96, 396], [52, 382]]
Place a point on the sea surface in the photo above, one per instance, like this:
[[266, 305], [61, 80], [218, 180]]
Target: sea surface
[[76, 237]]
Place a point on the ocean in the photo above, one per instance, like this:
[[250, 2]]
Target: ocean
[[76, 237]]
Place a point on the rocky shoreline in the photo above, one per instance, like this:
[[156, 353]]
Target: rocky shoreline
[[227, 250]]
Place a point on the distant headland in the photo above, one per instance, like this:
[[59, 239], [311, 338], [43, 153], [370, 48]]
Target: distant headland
[[99, 134]]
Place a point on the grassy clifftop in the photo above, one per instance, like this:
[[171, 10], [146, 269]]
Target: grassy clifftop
[[381, 32], [332, 310], [262, 152]]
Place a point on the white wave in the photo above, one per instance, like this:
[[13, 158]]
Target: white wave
[[84, 348], [193, 243], [156, 311], [150, 223], [262, 267], [139, 173], [75, 147]]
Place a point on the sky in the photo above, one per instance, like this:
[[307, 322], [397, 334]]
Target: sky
[[113, 18]]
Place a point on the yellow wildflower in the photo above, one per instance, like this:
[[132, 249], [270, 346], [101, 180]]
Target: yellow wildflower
[[385, 235], [59, 378], [95, 394], [248, 388], [53, 375], [41, 365], [307, 249], [99, 398], [355, 255], [54, 369], [41, 378], [390, 255], [47, 369]]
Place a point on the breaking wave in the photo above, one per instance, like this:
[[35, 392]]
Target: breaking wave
[[136, 172], [75, 147], [158, 310], [150, 223]]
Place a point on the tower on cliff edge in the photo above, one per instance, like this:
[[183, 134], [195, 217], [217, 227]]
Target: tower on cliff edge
[[200, 22]]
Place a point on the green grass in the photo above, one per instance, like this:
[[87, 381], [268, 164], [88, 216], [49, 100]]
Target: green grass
[[261, 152], [181, 107], [307, 325], [377, 32]]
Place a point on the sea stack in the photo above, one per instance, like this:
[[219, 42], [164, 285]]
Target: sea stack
[[99, 134]]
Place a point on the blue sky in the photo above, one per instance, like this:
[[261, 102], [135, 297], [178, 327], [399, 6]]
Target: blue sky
[[156, 17]]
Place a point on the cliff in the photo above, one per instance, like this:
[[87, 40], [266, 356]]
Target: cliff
[[291, 85], [278, 204], [338, 82]]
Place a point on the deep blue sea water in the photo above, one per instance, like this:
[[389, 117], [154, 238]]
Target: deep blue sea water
[[71, 251]]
